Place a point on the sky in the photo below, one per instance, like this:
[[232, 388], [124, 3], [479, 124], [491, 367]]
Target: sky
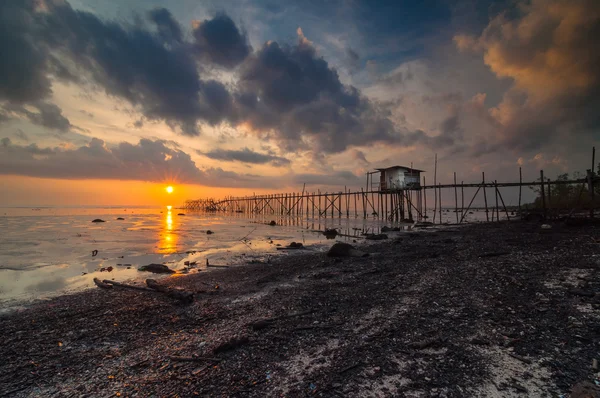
[[106, 103]]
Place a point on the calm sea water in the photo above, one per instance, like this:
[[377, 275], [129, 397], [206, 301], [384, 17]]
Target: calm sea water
[[49, 251]]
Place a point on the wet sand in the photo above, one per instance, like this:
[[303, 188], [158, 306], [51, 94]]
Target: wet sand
[[490, 310]]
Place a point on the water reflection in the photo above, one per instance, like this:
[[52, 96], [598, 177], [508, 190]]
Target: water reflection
[[169, 238]]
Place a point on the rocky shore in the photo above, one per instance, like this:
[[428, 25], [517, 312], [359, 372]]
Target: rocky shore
[[486, 310]]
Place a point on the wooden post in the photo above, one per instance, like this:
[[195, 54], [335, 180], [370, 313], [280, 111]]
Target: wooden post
[[440, 199], [435, 201], [543, 193], [590, 181], [455, 198], [425, 197], [487, 216], [591, 176], [520, 187], [497, 209], [462, 199]]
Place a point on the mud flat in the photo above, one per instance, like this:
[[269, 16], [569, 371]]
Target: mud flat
[[489, 310]]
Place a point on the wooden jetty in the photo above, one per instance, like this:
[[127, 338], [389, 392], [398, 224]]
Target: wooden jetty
[[399, 204]]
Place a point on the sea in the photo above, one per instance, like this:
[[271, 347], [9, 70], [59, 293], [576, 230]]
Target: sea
[[51, 251]]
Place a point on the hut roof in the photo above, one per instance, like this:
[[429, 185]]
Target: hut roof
[[400, 167]]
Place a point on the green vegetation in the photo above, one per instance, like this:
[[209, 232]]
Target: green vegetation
[[567, 196]]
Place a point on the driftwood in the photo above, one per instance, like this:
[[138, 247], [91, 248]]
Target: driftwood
[[153, 286], [101, 284], [193, 359], [263, 323], [520, 358], [181, 295]]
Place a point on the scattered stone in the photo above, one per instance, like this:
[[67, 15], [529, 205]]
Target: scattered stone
[[341, 249], [156, 268], [272, 223], [330, 233], [209, 232], [376, 236], [120, 218], [296, 245], [585, 389], [231, 344], [180, 214], [98, 220]]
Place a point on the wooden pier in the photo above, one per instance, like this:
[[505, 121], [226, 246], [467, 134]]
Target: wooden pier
[[405, 205]]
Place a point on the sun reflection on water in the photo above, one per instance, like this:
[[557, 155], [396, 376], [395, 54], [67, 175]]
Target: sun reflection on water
[[169, 238]]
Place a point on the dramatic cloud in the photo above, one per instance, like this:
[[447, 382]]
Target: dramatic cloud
[[154, 70], [148, 160], [220, 41], [550, 51], [246, 156], [291, 94]]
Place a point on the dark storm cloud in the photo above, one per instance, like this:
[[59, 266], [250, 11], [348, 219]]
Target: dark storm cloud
[[285, 92], [168, 28], [220, 40], [246, 155], [24, 61], [153, 69], [294, 95], [47, 115]]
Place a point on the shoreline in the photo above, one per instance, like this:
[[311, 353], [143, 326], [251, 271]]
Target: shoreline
[[480, 310]]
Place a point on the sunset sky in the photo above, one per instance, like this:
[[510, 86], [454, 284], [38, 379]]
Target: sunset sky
[[108, 102]]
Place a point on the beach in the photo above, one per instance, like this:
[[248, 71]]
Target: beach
[[490, 310]]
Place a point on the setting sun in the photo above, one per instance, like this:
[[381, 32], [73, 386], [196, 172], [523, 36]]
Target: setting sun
[[169, 189]]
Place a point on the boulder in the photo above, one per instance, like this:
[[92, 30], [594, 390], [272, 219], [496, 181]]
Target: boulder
[[98, 220], [157, 269], [341, 249]]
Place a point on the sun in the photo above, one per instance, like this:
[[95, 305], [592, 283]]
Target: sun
[[169, 189]]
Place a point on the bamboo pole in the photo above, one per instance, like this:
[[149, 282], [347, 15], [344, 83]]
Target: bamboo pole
[[487, 216], [434, 188], [497, 211], [440, 199], [543, 193], [462, 199], [425, 196], [520, 187], [455, 199]]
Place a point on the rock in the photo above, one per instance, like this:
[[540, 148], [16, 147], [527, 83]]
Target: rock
[[272, 223], [296, 245], [330, 233], [385, 229], [98, 220], [376, 236], [157, 269], [546, 226], [209, 232], [341, 249], [585, 389], [120, 218], [180, 214]]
